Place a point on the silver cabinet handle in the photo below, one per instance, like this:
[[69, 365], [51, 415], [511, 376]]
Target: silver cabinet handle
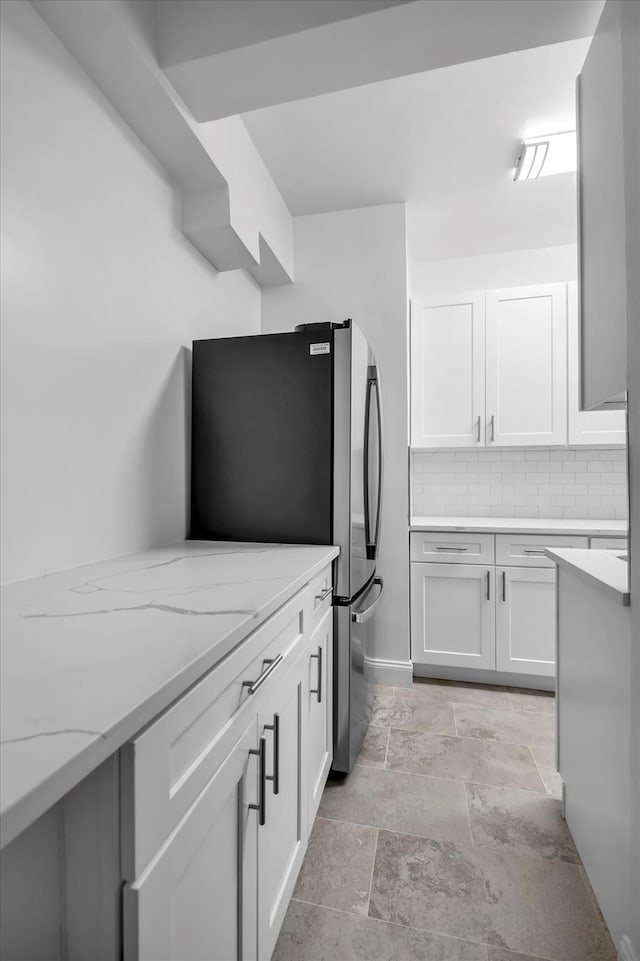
[[488, 585], [275, 777], [359, 617], [261, 806], [450, 548], [492, 423], [254, 685], [504, 585], [323, 594], [479, 428], [318, 690], [533, 550]]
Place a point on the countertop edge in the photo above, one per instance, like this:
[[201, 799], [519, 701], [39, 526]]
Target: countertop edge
[[526, 525], [598, 567], [20, 814]]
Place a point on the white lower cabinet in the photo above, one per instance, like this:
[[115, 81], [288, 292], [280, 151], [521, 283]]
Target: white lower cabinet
[[453, 615], [526, 620], [282, 838], [197, 898], [486, 615], [219, 795], [319, 713]]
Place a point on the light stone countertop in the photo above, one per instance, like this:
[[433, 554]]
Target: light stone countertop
[[605, 569], [91, 655], [522, 525]]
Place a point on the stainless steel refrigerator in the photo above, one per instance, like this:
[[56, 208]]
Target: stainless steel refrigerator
[[287, 448]]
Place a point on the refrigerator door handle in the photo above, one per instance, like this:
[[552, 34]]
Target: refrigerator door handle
[[359, 617], [372, 542]]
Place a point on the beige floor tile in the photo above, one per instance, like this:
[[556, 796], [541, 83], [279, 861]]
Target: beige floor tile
[[522, 822], [373, 752], [337, 866], [464, 759], [528, 905], [545, 758], [413, 714], [311, 933], [516, 727], [430, 807], [484, 695], [541, 702]]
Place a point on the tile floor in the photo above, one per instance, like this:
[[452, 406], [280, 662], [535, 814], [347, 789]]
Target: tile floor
[[446, 842]]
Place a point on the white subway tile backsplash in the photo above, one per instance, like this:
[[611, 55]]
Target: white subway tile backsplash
[[537, 482]]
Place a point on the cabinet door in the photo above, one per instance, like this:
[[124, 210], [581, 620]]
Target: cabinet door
[[447, 371], [453, 615], [587, 426], [197, 897], [318, 744], [526, 620], [282, 838], [602, 252], [526, 386]]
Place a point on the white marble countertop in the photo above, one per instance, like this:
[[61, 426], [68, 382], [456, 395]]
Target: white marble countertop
[[606, 569], [522, 525], [91, 655]]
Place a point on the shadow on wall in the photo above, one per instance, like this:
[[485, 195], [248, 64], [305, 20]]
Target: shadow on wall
[[164, 458]]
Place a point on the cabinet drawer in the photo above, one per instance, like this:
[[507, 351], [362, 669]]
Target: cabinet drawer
[[167, 766], [463, 548], [320, 593], [528, 550], [609, 543]]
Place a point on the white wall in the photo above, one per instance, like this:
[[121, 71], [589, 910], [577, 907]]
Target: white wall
[[352, 264], [510, 268], [101, 297]]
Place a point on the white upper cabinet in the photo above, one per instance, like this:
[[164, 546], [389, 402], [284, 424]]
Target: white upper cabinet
[[489, 369], [602, 129], [587, 427], [447, 371], [526, 382]]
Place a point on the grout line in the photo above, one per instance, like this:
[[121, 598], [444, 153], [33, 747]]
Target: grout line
[[386, 750], [435, 777], [535, 764], [464, 737], [466, 804], [455, 720], [373, 867], [396, 924]]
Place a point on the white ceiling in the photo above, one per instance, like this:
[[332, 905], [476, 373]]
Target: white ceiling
[[444, 141]]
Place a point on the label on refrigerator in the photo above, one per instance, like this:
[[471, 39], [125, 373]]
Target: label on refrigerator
[[319, 349]]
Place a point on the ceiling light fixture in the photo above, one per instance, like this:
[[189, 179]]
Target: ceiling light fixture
[[544, 156]]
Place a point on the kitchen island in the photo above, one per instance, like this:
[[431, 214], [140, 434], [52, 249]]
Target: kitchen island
[[594, 721], [90, 657]]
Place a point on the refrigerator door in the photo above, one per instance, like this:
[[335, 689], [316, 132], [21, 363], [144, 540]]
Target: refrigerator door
[[262, 440], [351, 369], [352, 695]]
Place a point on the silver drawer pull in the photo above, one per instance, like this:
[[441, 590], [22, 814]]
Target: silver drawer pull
[[534, 550], [452, 549], [504, 585], [254, 685], [322, 596], [478, 428]]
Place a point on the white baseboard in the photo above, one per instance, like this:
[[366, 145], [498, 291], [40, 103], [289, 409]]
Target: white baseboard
[[390, 673], [626, 951], [477, 676]]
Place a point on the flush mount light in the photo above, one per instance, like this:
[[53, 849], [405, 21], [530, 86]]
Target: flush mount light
[[547, 155]]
